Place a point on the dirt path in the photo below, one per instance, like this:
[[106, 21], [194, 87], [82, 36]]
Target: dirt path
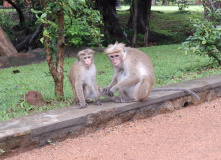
[[192, 133]]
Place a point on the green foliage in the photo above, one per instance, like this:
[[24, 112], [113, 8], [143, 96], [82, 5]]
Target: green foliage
[[1, 151], [206, 39], [81, 23], [182, 5], [5, 22]]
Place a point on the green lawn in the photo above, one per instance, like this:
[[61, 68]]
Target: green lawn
[[171, 66], [172, 8]]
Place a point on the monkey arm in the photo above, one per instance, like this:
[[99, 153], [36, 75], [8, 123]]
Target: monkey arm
[[127, 82], [113, 82], [80, 94]]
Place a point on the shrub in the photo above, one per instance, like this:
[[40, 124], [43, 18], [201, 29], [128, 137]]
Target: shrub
[[206, 39]]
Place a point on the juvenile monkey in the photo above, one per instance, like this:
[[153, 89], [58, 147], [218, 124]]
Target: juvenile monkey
[[83, 79], [133, 74]]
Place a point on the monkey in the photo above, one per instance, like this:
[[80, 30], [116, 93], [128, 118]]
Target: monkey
[[133, 75], [82, 77]]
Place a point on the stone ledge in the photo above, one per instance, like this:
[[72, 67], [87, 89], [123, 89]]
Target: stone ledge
[[35, 130]]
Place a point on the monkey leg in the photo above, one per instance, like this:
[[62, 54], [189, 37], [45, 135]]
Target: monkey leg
[[142, 89], [123, 97]]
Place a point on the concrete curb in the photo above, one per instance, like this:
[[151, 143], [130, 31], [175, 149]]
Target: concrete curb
[[56, 125]]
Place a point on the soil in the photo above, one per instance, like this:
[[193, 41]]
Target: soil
[[191, 133]]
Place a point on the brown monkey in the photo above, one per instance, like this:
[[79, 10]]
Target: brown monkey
[[83, 78], [133, 74]]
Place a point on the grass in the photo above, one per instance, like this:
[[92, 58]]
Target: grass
[[166, 9], [174, 25], [171, 66]]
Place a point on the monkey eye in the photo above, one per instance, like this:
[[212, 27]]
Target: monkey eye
[[116, 56], [111, 56], [89, 57], [85, 57]]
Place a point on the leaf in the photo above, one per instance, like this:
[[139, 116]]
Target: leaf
[[43, 15], [36, 12], [203, 42]]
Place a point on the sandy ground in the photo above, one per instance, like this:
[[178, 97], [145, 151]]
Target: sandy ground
[[192, 133]]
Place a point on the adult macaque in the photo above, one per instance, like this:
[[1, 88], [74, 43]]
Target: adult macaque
[[83, 79], [133, 74]]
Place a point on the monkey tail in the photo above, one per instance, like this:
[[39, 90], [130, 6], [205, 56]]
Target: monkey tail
[[177, 89]]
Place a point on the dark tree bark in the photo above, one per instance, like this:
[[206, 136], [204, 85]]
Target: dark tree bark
[[141, 15], [134, 39], [165, 2], [147, 22], [20, 13], [108, 10], [207, 4]]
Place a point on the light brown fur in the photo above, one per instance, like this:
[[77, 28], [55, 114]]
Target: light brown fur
[[133, 75], [83, 78]]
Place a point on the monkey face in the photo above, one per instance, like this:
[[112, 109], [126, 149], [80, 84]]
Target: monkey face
[[87, 59], [115, 59]]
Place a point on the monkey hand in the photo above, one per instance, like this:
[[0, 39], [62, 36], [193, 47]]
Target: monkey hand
[[106, 91]]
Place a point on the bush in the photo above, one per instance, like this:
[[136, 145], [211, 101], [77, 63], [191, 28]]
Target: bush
[[206, 39]]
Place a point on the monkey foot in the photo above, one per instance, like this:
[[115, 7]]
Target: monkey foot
[[82, 107], [121, 100], [99, 103]]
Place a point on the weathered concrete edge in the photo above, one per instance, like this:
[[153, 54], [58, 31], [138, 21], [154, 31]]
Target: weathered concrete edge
[[35, 130]]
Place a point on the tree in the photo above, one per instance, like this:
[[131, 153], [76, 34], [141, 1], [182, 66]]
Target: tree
[[20, 13], [154, 2], [143, 18], [208, 7], [206, 39], [56, 68], [108, 10], [147, 22], [135, 9], [65, 19], [6, 47]]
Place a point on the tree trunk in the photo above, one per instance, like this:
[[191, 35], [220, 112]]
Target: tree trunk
[[6, 47], [27, 43], [60, 55], [207, 4], [165, 2], [108, 10], [147, 22], [154, 3], [58, 72], [141, 15], [20, 13], [134, 39]]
